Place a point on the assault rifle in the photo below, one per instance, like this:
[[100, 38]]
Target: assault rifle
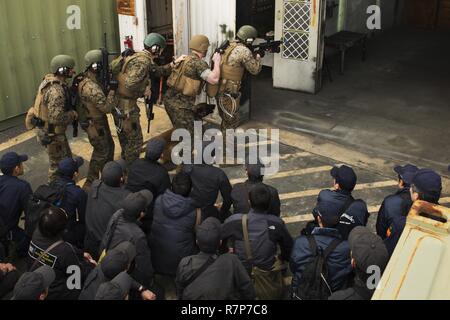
[[106, 77], [221, 50], [75, 102], [268, 46]]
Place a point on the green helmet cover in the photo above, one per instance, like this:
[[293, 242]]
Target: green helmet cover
[[93, 56], [62, 61], [155, 39], [247, 32]]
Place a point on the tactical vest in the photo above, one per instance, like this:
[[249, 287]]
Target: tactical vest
[[122, 90], [40, 109], [180, 82], [230, 76], [93, 112]]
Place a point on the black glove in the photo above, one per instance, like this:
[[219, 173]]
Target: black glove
[[262, 53], [128, 52], [114, 85]]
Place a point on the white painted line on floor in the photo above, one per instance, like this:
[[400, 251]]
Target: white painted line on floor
[[314, 192], [291, 173], [17, 140]]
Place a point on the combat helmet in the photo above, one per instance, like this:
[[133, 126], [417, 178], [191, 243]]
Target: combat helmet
[[155, 39], [199, 43], [62, 61], [247, 32], [93, 56]]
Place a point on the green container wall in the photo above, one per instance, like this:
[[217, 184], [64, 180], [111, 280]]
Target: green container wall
[[33, 31]]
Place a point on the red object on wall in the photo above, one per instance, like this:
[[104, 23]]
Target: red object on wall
[[128, 42]]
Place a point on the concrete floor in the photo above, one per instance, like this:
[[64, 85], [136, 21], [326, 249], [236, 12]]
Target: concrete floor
[[394, 106]]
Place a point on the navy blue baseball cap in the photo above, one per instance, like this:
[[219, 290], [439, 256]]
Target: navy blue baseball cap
[[69, 166], [11, 160], [428, 181], [345, 177], [327, 213], [406, 173]]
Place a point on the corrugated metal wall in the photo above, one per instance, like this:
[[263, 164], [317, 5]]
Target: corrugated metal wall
[[32, 32], [214, 18]]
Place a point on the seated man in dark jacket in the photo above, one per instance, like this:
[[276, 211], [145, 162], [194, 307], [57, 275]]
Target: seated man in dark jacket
[[266, 232], [340, 201], [14, 196], [426, 186], [240, 192], [74, 200], [398, 204], [173, 229], [103, 201], [207, 182], [207, 276], [338, 262], [148, 174], [119, 259], [369, 259], [125, 226], [48, 248]]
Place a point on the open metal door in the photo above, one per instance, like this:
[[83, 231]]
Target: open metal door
[[214, 18], [300, 24]]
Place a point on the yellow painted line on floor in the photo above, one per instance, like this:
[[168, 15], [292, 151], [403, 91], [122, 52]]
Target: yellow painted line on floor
[[17, 140], [81, 182], [299, 218], [292, 173], [314, 192], [259, 143], [287, 156]]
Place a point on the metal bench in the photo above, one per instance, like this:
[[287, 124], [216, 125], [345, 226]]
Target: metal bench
[[345, 40]]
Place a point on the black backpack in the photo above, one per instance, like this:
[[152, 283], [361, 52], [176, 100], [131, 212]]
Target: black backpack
[[314, 283], [44, 197]]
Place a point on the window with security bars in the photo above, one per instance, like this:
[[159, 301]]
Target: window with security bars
[[296, 24]]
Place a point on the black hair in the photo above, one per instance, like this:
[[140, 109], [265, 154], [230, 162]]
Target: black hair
[[431, 198], [53, 222], [182, 184], [8, 171], [255, 179], [260, 198], [330, 223]]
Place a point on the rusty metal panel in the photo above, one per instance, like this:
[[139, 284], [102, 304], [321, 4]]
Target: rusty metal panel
[[32, 32], [126, 7], [418, 268]]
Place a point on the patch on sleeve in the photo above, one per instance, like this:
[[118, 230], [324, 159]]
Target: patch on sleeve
[[37, 253]]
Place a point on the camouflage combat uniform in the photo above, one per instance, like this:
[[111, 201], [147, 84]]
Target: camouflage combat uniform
[[95, 107], [133, 79], [240, 57], [180, 107], [52, 106]]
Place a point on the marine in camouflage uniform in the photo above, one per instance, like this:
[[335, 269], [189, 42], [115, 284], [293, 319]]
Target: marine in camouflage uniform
[[134, 79], [180, 107], [236, 59], [186, 82], [52, 112], [95, 106]]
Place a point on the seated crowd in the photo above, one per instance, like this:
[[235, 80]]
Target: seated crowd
[[137, 224]]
